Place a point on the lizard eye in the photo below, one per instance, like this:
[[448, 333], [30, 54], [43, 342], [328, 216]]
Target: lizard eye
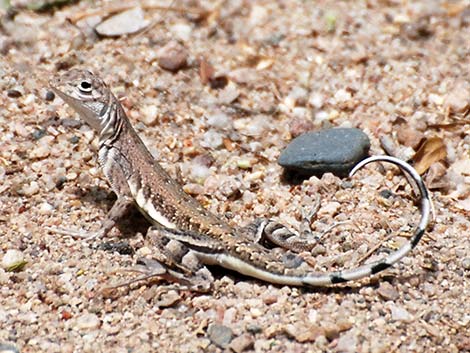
[[85, 87]]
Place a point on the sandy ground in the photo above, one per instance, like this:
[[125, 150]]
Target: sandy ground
[[398, 69]]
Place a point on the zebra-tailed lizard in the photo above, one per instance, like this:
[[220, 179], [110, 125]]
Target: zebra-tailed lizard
[[187, 236]]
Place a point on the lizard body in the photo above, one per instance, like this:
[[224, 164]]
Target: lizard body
[[137, 179]]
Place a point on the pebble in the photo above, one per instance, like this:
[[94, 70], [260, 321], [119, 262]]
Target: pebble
[[167, 299], [458, 100], [400, 314], [409, 136], [299, 126], [335, 150], [219, 120], [229, 94], [49, 96], [342, 96], [182, 31], [149, 115], [316, 100], [212, 139], [41, 151], [304, 332], [435, 99], [126, 22], [87, 322], [466, 263], [220, 335], [193, 189], [46, 208], [347, 343], [13, 93], [417, 30], [172, 56], [12, 258], [387, 291], [242, 343]]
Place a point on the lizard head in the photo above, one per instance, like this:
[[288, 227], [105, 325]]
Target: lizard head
[[86, 93]]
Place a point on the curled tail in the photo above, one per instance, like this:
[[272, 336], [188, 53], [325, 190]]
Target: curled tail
[[380, 265]]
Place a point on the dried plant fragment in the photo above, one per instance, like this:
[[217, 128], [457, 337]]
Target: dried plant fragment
[[432, 150]]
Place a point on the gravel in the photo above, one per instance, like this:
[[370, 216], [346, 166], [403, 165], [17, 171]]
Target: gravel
[[281, 68]]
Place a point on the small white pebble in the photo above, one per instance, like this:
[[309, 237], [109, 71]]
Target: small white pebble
[[254, 176], [298, 94], [182, 31], [321, 116], [199, 172], [71, 176], [333, 114], [30, 98], [31, 189], [342, 95], [289, 102], [20, 130], [89, 135], [258, 15], [255, 312], [244, 163], [300, 112], [46, 208], [312, 316], [316, 100], [436, 99], [211, 139], [400, 314], [255, 146], [42, 151], [149, 115], [11, 258], [331, 208], [87, 322], [144, 251], [219, 120], [401, 18]]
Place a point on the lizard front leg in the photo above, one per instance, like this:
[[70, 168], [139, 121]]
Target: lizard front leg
[[115, 168]]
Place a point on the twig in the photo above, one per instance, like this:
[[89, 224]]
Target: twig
[[371, 251]]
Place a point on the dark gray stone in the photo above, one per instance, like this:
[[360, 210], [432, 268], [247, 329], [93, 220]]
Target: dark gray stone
[[335, 150], [220, 335]]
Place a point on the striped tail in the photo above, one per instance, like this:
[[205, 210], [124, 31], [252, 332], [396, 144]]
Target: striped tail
[[380, 265]]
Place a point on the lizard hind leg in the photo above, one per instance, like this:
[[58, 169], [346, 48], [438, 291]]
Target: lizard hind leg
[[178, 259], [270, 232]]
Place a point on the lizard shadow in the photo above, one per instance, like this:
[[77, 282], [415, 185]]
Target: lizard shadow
[[292, 177], [351, 288], [103, 198]]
